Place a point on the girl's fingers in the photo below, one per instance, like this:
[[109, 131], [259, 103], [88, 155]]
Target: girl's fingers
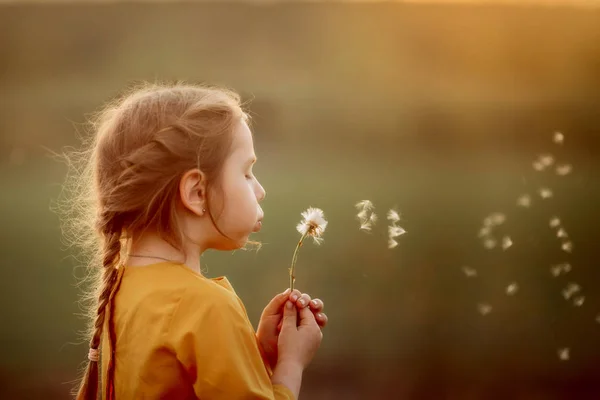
[[321, 319], [317, 305], [303, 301], [295, 295]]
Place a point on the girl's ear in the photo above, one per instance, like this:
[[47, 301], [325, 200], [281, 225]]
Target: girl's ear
[[192, 191]]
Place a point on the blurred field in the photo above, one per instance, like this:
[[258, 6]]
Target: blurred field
[[438, 110]]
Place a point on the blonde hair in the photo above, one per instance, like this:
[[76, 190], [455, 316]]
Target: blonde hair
[[125, 181]]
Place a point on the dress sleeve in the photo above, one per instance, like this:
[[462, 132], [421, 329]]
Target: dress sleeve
[[217, 347]]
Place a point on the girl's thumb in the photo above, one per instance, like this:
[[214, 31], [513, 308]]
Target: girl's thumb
[[289, 315]]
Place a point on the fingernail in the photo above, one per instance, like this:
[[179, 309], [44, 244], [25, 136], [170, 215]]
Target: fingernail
[[320, 315], [287, 291], [302, 302], [294, 297], [314, 303], [288, 305]]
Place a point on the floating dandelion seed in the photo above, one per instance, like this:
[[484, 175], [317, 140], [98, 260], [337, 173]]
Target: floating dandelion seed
[[578, 301], [393, 216], [538, 165], [485, 231], [566, 267], [524, 201], [567, 247], [506, 242], [545, 193], [554, 222], [364, 205], [489, 243], [570, 290], [562, 233], [395, 231], [512, 289], [469, 272], [564, 169], [488, 222], [313, 225], [498, 218], [546, 159], [363, 214], [392, 243], [598, 318], [558, 138], [484, 308], [366, 215], [563, 354], [556, 270]]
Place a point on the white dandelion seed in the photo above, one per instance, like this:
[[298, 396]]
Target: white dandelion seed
[[567, 247], [488, 222], [392, 243], [313, 224], [363, 215], [489, 243], [469, 272], [498, 218], [578, 301], [393, 216], [512, 289], [545, 193], [555, 270], [564, 169], [570, 290], [538, 165], [395, 231], [373, 218], [365, 226], [566, 267], [563, 354], [562, 233], [554, 222], [558, 137], [364, 205], [524, 201], [506, 242], [485, 231], [484, 308], [546, 159]]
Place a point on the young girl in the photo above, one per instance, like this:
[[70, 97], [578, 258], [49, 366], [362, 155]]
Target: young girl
[[168, 174]]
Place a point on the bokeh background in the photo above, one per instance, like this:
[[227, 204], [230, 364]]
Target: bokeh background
[[435, 108]]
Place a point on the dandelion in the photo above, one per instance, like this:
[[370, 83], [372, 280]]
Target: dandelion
[[563, 354], [578, 301], [313, 225], [393, 216], [558, 138], [490, 243], [567, 247], [469, 272], [512, 289], [554, 222], [484, 308], [545, 193], [564, 169], [506, 242], [562, 233], [524, 201]]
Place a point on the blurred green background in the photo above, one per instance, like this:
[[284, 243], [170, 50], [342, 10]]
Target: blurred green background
[[436, 109]]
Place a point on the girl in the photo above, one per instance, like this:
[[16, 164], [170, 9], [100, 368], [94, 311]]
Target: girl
[[168, 174]]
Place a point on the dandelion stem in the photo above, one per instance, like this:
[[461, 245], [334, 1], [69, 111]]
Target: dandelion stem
[[294, 258]]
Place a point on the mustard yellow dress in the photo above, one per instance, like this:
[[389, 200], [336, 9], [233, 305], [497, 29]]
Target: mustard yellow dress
[[176, 334]]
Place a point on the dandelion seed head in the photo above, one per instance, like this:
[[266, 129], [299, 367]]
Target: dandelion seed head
[[563, 354], [545, 193], [512, 289], [567, 247], [558, 137], [313, 224], [578, 301], [506, 242], [484, 308], [392, 243], [524, 201], [469, 272], [554, 222], [393, 216], [564, 169]]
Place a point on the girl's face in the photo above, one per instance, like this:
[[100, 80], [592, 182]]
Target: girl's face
[[241, 192]]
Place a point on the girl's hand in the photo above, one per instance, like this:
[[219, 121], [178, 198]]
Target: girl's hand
[[271, 320]]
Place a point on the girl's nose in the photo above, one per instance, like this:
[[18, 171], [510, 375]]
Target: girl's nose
[[261, 193]]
